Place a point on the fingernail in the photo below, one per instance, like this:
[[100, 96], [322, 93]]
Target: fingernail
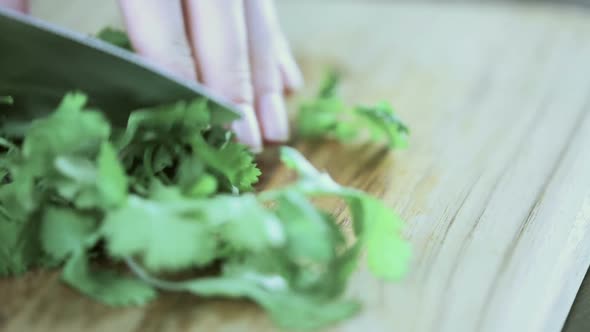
[[296, 78], [247, 130], [292, 76], [273, 115]]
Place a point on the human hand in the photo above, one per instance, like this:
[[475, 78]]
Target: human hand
[[234, 47], [19, 5]]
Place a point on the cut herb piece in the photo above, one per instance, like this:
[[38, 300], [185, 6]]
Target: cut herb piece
[[383, 123], [64, 231], [287, 307], [116, 37], [6, 100], [327, 116], [232, 161], [20, 248], [105, 286], [376, 225]]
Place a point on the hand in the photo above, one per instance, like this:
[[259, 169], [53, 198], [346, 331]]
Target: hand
[[234, 47], [19, 5]]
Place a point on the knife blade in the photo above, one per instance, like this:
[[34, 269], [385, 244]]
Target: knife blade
[[40, 62]]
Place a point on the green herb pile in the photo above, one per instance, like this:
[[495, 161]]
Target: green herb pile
[[167, 205]]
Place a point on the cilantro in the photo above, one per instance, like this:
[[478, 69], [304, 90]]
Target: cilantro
[[111, 179], [116, 37], [327, 116], [376, 225], [64, 231], [19, 247], [162, 233], [286, 306], [105, 285], [232, 161], [6, 100], [172, 192]]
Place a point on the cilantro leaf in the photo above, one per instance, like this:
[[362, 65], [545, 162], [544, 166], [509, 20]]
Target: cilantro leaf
[[384, 123], [287, 308], [388, 253], [376, 225], [303, 220], [47, 139], [145, 227], [116, 37], [329, 84], [75, 181], [71, 134], [20, 248], [163, 233], [14, 258], [105, 286], [91, 183], [64, 231], [177, 120], [233, 161], [243, 223], [327, 116], [112, 181], [6, 100]]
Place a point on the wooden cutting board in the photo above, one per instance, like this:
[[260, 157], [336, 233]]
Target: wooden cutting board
[[495, 185]]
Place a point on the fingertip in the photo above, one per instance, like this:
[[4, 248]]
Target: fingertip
[[291, 75], [273, 117], [247, 129]]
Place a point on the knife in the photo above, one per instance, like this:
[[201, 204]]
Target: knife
[[40, 62]]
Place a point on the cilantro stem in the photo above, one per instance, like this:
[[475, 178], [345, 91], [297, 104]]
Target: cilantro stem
[[151, 280], [7, 144], [147, 161]]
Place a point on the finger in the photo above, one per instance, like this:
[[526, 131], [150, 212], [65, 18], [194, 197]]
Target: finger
[[268, 87], [156, 30], [291, 75], [219, 40], [18, 5]]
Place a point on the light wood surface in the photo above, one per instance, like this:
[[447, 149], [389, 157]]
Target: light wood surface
[[495, 185]]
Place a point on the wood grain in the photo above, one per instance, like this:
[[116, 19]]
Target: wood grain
[[495, 185]]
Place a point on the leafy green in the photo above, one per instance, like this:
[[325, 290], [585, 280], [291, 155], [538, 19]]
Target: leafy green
[[105, 285], [112, 182], [115, 37], [163, 234], [327, 116], [6, 100], [376, 225], [233, 161], [20, 248], [64, 231], [173, 193], [286, 306]]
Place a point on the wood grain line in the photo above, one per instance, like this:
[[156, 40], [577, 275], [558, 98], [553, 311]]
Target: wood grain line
[[508, 255], [428, 267]]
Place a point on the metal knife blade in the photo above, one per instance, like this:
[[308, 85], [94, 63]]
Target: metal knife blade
[[40, 62]]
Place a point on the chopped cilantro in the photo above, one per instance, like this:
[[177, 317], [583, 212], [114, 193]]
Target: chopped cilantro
[[172, 192], [6, 100], [327, 116]]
